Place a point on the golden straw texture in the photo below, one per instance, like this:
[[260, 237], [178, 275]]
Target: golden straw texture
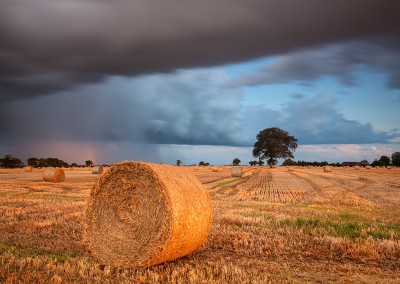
[[28, 169], [142, 214], [236, 172], [53, 175], [97, 169]]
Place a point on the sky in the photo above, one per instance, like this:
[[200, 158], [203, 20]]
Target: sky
[[159, 81]]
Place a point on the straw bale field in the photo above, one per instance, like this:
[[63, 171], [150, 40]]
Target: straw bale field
[[301, 225]]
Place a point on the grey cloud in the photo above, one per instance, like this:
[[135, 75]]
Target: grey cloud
[[316, 120], [186, 107], [50, 45], [341, 60]]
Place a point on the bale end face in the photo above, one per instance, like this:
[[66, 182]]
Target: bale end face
[[141, 214]]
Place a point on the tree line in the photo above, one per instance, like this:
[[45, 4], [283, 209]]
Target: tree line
[[8, 161], [272, 144], [381, 162]]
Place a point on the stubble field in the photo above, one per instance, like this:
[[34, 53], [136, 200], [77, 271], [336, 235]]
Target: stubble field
[[272, 225]]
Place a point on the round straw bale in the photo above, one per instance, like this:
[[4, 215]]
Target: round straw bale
[[215, 169], [28, 169], [357, 167], [327, 169], [142, 214], [97, 169], [53, 174], [236, 172]]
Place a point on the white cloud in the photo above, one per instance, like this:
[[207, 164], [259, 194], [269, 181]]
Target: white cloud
[[345, 152]]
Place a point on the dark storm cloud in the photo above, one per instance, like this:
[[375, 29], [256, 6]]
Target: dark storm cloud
[[340, 60], [50, 45], [186, 107]]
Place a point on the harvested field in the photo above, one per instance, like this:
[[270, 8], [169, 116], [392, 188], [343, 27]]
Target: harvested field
[[271, 225]]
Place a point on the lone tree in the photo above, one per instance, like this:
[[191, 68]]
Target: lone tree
[[274, 143], [178, 162], [236, 162], [89, 163]]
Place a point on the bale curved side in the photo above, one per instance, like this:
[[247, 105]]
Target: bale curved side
[[97, 170], [53, 175], [28, 169], [236, 171], [141, 214]]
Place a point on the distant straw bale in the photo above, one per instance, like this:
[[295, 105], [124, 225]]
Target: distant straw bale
[[215, 169], [142, 214], [236, 171], [357, 167], [327, 169], [368, 167], [28, 169], [53, 175], [97, 169]]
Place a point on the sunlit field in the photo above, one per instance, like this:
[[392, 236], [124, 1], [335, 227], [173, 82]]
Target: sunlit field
[[272, 225]]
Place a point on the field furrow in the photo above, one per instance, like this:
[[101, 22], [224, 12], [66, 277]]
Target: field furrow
[[269, 226]]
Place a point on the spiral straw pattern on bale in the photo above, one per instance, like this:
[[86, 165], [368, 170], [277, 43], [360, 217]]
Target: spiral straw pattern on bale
[[142, 214], [53, 175]]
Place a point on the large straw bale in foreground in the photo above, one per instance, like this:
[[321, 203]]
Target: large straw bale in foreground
[[141, 214], [53, 174], [327, 169]]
